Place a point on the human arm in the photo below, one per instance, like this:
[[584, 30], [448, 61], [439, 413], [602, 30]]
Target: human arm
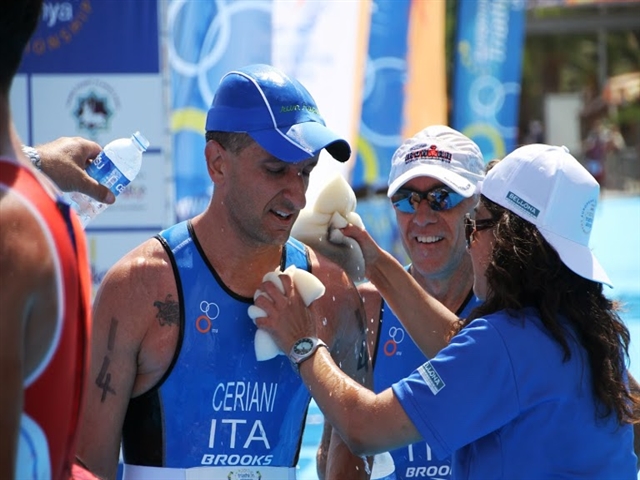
[[366, 422], [331, 447], [340, 322], [372, 303], [323, 450], [417, 407], [65, 159], [123, 340]]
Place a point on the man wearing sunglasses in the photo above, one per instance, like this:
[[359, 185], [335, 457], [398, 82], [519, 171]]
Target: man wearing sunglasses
[[432, 187]]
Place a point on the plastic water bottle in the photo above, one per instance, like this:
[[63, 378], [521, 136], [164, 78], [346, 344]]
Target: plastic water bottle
[[384, 468], [114, 167]]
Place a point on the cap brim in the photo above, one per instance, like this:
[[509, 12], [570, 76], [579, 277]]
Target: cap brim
[[456, 182], [577, 257], [301, 142]]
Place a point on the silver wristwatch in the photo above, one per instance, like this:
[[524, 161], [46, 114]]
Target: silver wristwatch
[[303, 349], [33, 155]]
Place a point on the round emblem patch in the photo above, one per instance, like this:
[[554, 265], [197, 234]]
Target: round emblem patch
[[588, 213]]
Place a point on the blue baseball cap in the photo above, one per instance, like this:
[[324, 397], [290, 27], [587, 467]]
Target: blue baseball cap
[[276, 111]]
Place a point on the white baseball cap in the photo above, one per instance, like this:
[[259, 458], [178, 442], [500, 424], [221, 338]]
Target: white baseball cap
[[548, 187], [439, 152]]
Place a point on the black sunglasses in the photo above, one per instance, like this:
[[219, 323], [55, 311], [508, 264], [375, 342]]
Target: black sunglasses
[[472, 225], [439, 199]]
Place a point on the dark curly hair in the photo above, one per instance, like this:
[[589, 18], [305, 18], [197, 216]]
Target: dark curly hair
[[526, 271]]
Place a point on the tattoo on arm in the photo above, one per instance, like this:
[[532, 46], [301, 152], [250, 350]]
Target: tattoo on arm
[[103, 380], [112, 334], [168, 311]]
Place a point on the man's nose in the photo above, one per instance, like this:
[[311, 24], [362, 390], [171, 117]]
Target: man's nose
[[296, 189], [424, 214]]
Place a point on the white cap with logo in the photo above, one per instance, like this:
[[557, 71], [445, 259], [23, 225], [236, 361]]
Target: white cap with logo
[[439, 152], [548, 187]]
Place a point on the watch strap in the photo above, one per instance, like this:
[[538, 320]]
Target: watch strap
[[33, 155], [296, 360]]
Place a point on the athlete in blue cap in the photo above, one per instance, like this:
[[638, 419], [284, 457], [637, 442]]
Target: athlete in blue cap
[[174, 372]]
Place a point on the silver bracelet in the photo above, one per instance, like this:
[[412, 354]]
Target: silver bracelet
[[33, 155]]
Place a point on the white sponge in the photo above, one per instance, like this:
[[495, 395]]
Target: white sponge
[[310, 289], [318, 224]]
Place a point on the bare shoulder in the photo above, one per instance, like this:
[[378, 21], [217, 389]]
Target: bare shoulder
[[23, 237], [24, 242], [369, 293], [139, 274], [329, 272], [28, 278], [130, 351], [138, 302]]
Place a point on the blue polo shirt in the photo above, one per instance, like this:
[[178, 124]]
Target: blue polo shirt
[[501, 399]]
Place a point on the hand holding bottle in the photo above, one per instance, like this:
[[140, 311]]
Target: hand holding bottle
[[114, 167], [65, 161]]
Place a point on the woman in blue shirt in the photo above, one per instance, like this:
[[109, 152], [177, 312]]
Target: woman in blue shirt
[[534, 383]]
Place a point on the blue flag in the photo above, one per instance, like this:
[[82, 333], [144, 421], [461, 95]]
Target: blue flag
[[487, 73], [206, 40]]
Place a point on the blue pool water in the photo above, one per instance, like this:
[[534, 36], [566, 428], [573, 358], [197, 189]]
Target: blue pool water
[[616, 242]]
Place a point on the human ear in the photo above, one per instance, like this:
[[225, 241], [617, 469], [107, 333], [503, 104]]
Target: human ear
[[215, 154]]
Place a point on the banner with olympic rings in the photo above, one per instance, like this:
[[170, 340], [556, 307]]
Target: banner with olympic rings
[[487, 73], [405, 83], [204, 41], [383, 95]]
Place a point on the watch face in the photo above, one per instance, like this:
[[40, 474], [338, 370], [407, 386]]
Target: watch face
[[302, 346]]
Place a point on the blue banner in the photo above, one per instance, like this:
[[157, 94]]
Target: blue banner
[[383, 94], [487, 73], [206, 40], [382, 118], [94, 36]]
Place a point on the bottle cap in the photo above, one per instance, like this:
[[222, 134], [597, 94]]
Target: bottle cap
[[141, 141]]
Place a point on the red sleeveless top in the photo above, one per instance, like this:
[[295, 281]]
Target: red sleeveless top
[[53, 398]]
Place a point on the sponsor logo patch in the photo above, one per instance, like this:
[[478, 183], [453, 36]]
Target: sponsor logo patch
[[525, 206], [210, 311], [431, 377], [396, 336], [430, 153]]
